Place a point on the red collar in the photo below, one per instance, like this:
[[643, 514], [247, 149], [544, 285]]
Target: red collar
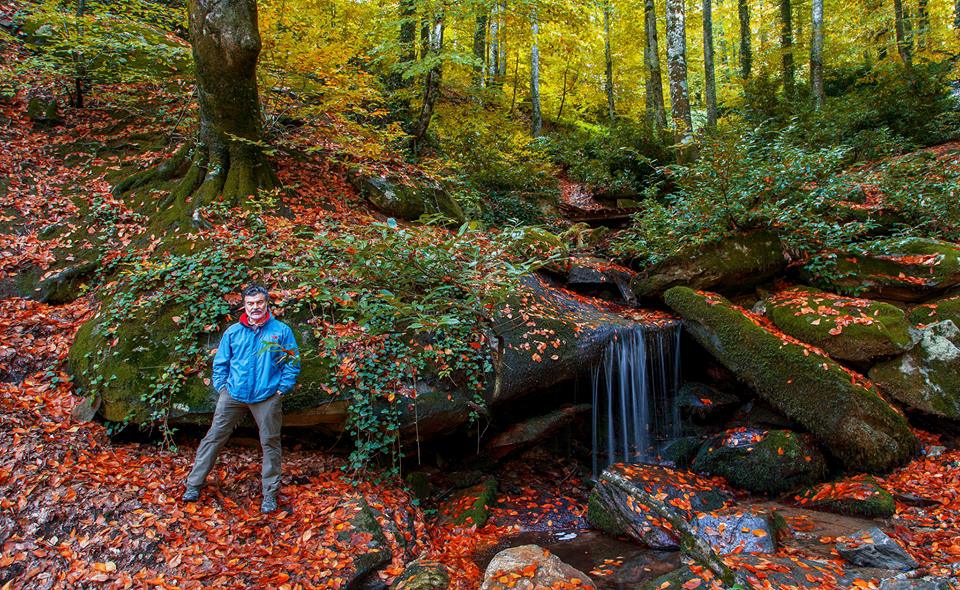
[[246, 320]]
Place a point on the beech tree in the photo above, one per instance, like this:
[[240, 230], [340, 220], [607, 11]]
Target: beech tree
[[677, 67]]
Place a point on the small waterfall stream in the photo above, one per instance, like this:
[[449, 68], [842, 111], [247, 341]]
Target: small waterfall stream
[[633, 392]]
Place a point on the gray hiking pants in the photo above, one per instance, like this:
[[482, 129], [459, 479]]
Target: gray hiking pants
[[268, 416]]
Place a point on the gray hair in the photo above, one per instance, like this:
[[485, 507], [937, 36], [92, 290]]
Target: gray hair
[[254, 290]]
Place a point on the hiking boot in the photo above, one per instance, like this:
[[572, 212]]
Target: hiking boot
[[191, 494], [268, 505]]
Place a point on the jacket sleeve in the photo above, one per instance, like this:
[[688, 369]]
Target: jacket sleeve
[[291, 362], [221, 363]]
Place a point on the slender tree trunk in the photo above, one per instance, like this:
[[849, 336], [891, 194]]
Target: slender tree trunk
[[746, 58], [563, 94], [493, 59], [656, 110], [502, 45], [816, 52], [608, 61], [956, 15], [535, 115], [903, 44], [431, 86], [516, 83], [80, 70], [425, 28], [923, 23], [408, 31], [709, 70], [677, 67], [479, 47], [786, 47]]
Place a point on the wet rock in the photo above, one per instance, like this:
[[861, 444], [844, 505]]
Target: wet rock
[[846, 328], [365, 528], [761, 461], [471, 506], [758, 413], [529, 432], [857, 496], [928, 377], [926, 583], [681, 451], [406, 198], [873, 548], [596, 273], [849, 419], [736, 531], [671, 581], [736, 263], [530, 566], [423, 575], [701, 403], [903, 269]]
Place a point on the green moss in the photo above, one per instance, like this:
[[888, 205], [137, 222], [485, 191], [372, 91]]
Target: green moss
[[936, 311], [854, 423], [873, 500], [479, 510], [601, 518]]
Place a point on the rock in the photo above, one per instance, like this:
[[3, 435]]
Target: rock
[[873, 548], [529, 432], [932, 312], [846, 328], [736, 263], [681, 451], [406, 198], [529, 567], [925, 583], [736, 531], [860, 495], [903, 269], [471, 506], [44, 111], [928, 377], [763, 462], [423, 575], [839, 407], [671, 581], [758, 413], [364, 525], [701, 403], [595, 273]]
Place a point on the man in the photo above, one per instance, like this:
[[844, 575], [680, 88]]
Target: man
[[256, 364]]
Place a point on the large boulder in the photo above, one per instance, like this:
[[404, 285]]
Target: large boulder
[[839, 407], [737, 263], [534, 430], [874, 548], [530, 567], [928, 377], [761, 461], [860, 495], [406, 198], [903, 269], [735, 531], [936, 311], [847, 328]]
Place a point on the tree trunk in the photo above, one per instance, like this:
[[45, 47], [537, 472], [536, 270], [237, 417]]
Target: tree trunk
[[479, 47], [923, 24], [608, 61], [493, 61], [408, 31], [502, 45], [816, 52], [227, 158], [656, 111], [431, 90], [903, 44], [536, 118], [746, 59], [677, 67], [956, 15], [709, 70], [786, 47]]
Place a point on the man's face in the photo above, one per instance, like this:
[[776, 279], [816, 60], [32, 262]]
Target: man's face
[[256, 307]]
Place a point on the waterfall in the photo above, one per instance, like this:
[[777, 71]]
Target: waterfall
[[633, 390]]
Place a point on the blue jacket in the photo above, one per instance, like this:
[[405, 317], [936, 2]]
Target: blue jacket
[[251, 362]]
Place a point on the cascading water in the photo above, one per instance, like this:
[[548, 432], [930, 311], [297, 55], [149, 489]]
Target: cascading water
[[633, 391]]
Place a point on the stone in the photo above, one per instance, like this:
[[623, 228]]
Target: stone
[[681, 451], [529, 432], [529, 567], [902, 269], [703, 404], [595, 273], [925, 583], [377, 551], [932, 312], [873, 548], [762, 461], [847, 328], [839, 407], [928, 377], [406, 198], [859, 495], [736, 263], [733, 530], [423, 575], [470, 506]]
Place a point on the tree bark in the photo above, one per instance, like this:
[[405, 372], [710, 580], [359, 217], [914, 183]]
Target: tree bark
[[816, 53], [493, 61], [677, 67], [956, 15], [479, 47], [608, 61], [408, 31], [746, 58], [923, 23], [786, 47], [709, 69], [502, 45], [536, 118], [656, 110], [903, 44], [431, 90]]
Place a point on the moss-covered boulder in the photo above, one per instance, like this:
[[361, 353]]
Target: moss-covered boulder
[[423, 575], [761, 461], [471, 506], [363, 529], [902, 269], [531, 567], [406, 198], [847, 328], [932, 312], [860, 495], [735, 264], [841, 408], [928, 377]]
